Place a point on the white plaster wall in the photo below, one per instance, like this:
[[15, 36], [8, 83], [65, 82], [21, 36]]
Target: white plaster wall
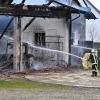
[[90, 24], [51, 27]]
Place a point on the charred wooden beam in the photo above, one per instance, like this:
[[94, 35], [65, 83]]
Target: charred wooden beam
[[49, 2], [23, 1], [80, 9], [6, 28], [34, 11], [43, 11], [5, 2], [77, 1], [86, 11], [10, 1], [29, 23], [2, 2]]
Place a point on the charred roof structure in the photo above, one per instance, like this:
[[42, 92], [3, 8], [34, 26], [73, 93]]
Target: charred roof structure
[[63, 10]]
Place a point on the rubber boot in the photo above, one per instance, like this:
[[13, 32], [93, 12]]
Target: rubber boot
[[93, 73]]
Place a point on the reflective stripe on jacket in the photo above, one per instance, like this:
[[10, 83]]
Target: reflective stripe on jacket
[[93, 59]]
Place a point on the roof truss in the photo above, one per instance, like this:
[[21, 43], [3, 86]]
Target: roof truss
[[34, 11], [42, 11]]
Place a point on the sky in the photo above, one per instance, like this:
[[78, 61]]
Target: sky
[[31, 1], [94, 2]]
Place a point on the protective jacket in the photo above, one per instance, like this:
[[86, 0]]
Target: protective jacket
[[93, 59]]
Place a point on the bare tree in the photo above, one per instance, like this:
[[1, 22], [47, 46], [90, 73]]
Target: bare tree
[[93, 34]]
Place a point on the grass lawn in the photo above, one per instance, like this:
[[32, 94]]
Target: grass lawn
[[12, 84], [18, 90]]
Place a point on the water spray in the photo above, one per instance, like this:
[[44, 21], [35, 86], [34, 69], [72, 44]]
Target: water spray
[[45, 49], [8, 37], [82, 47]]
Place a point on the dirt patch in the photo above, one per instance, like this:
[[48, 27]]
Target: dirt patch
[[46, 71], [71, 77]]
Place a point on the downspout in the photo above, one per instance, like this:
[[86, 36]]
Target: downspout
[[70, 31]]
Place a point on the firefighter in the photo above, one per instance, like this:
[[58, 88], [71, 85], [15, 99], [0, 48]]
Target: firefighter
[[86, 61], [93, 60]]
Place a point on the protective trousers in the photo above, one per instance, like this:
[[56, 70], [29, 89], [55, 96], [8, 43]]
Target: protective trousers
[[94, 70]]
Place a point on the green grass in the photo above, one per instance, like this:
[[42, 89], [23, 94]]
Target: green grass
[[28, 85]]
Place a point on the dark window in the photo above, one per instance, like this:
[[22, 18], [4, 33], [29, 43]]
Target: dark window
[[40, 39]]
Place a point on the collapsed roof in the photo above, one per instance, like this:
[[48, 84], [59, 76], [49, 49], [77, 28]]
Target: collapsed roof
[[54, 8]]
